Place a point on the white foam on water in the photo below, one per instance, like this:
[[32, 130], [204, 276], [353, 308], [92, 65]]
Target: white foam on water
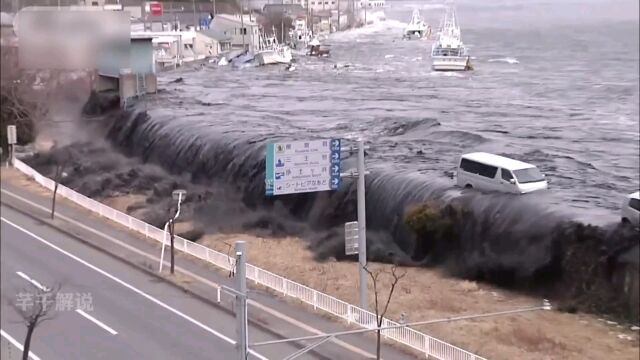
[[425, 6], [508, 60], [377, 22], [446, 73]]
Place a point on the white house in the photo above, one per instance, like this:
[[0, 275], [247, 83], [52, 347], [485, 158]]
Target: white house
[[235, 27]]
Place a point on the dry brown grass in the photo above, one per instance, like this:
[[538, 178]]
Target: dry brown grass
[[121, 203], [431, 294]]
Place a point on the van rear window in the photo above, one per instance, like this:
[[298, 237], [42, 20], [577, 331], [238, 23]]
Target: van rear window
[[634, 204], [478, 168]]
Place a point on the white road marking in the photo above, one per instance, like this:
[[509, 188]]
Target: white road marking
[[32, 281], [96, 321], [272, 311], [17, 344], [132, 288]]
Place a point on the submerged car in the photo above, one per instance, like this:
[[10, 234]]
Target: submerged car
[[631, 209], [489, 172]]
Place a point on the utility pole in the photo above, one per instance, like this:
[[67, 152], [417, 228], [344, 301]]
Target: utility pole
[[309, 25], [338, 16], [365, 12], [242, 29], [195, 20], [362, 227], [241, 300], [214, 6]]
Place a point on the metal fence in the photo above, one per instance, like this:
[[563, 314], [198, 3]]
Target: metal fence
[[430, 346]]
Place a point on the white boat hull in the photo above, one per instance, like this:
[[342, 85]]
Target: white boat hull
[[269, 57], [450, 63]]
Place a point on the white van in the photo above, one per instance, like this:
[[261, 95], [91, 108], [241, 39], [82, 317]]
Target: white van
[[489, 172], [631, 209]]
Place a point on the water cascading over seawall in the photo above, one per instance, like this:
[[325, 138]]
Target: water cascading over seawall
[[517, 241]]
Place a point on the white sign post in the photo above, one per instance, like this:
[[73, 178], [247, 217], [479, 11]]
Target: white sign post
[[12, 140], [309, 166], [362, 227], [359, 174], [351, 238], [302, 166]]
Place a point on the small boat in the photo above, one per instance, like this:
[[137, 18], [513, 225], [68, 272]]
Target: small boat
[[417, 27], [271, 52], [317, 49], [449, 53]]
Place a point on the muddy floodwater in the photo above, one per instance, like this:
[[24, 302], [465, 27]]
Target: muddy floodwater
[[555, 84]]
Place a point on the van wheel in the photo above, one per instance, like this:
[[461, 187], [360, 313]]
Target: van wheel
[[468, 186], [626, 221]]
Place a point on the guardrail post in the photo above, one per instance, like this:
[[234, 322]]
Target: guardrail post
[[284, 286], [218, 297], [426, 346], [349, 314], [315, 300]]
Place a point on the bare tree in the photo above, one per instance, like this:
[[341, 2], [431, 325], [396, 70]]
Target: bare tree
[[17, 109], [35, 308], [380, 313]]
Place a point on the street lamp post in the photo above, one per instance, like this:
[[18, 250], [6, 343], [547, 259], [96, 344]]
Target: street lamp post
[[177, 195]]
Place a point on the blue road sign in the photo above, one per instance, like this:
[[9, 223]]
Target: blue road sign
[[303, 166]]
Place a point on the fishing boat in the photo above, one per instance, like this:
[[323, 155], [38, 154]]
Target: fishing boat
[[449, 53], [272, 52], [300, 35], [417, 27]]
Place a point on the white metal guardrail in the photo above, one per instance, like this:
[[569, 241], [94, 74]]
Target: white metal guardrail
[[432, 347]]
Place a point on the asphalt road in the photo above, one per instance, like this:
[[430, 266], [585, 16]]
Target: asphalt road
[[121, 253], [124, 313]]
